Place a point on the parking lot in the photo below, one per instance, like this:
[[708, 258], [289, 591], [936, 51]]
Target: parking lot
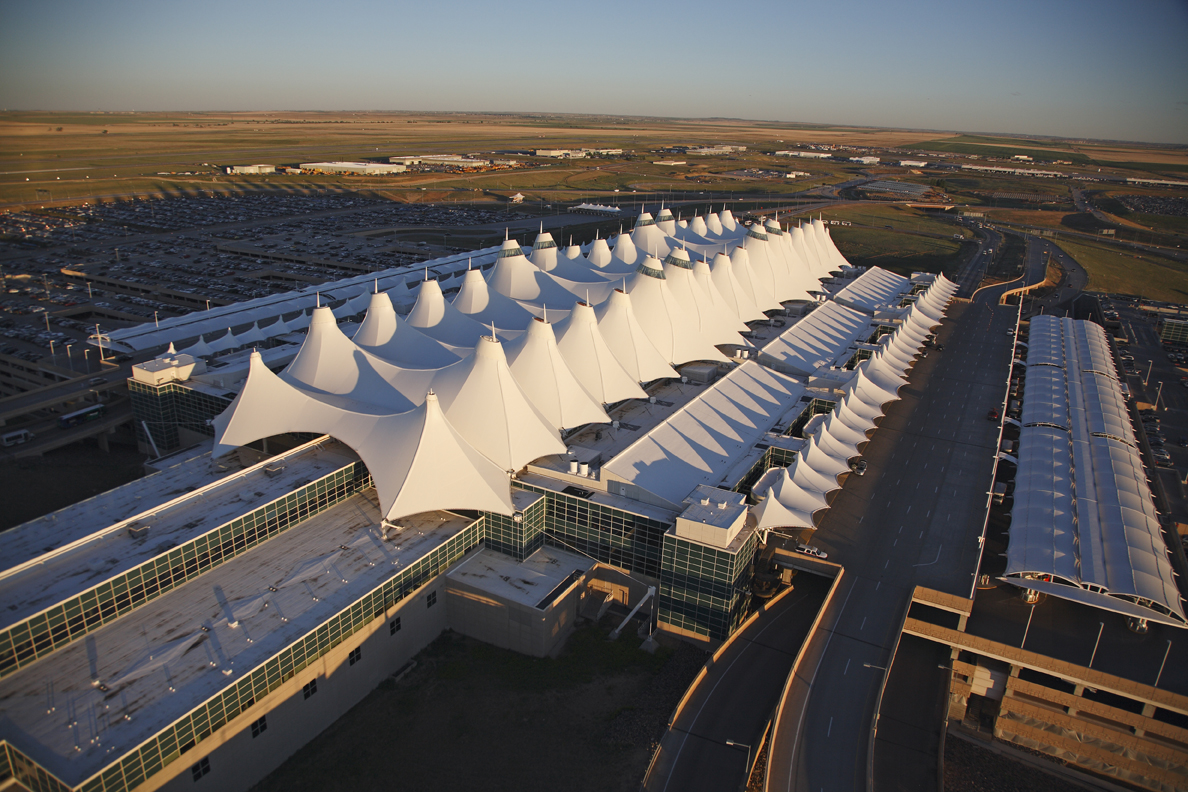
[[114, 265]]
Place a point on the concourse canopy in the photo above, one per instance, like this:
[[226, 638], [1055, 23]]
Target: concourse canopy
[[1084, 525], [818, 340], [418, 461], [701, 442], [875, 290]]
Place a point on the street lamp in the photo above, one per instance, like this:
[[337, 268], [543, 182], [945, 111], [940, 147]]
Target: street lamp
[[1150, 365], [1159, 394]]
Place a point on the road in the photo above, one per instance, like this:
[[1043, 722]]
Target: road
[[914, 519], [735, 699], [974, 271]]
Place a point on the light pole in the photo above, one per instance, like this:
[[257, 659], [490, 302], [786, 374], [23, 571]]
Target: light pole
[[1027, 628], [51, 347], [1150, 365], [1161, 665], [1159, 394], [1101, 626]]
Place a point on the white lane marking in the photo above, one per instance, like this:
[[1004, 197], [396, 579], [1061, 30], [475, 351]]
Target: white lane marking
[[863, 625], [847, 668], [828, 732]]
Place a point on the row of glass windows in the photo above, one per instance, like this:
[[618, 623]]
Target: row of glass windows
[[46, 632]]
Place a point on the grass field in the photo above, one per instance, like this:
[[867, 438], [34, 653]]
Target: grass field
[[1119, 272], [1004, 148], [471, 716], [901, 253]]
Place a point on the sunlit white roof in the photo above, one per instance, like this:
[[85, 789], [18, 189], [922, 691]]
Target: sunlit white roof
[[436, 318], [386, 335], [722, 274], [486, 306], [592, 361], [821, 338], [1084, 524], [542, 372], [628, 340], [418, 461], [664, 319], [874, 290], [702, 441]]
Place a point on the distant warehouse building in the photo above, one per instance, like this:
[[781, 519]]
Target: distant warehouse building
[[360, 168], [913, 164], [236, 170], [454, 160], [805, 154], [865, 160]]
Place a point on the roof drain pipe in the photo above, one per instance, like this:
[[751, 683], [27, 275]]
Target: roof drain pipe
[[615, 633]]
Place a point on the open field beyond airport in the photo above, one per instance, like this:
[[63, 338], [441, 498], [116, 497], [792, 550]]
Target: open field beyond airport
[[61, 158], [1122, 271]]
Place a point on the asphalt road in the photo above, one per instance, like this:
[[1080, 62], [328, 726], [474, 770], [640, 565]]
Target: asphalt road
[[914, 519], [971, 275], [735, 699]]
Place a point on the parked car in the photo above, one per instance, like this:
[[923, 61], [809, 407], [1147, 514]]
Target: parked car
[[810, 550], [858, 467], [993, 415]]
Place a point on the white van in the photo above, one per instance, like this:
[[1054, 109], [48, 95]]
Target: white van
[[16, 438]]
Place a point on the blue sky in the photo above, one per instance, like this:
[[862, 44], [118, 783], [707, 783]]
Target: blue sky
[[1079, 69]]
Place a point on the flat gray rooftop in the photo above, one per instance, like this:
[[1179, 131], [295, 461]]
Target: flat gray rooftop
[[164, 659], [531, 582], [57, 556]]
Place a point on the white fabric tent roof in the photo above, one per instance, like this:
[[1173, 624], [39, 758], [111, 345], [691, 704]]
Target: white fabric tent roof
[[332, 368], [516, 277], [715, 324], [436, 318], [418, 461], [628, 341], [702, 441], [484, 402], [542, 372], [1083, 510], [663, 318], [722, 274], [485, 305], [386, 335], [753, 286], [818, 339], [874, 290], [592, 361]]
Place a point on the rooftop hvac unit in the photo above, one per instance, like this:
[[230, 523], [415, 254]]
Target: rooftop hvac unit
[[138, 531]]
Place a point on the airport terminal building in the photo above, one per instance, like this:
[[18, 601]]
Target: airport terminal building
[[494, 443]]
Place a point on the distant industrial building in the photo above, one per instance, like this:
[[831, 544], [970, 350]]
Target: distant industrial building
[[710, 151], [804, 154], [865, 160], [356, 168], [1014, 171], [236, 170], [913, 164], [453, 160], [560, 153]]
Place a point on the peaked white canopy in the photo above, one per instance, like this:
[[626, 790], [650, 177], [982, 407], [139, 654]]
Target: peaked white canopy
[[418, 461], [332, 368], [629, 342], [542, 372], [664, 319], [754, 288], [386, 335], [516, 277], [486, 306], [722, 274], [484, 402], [436, 318], [591, 359], [713, 320]]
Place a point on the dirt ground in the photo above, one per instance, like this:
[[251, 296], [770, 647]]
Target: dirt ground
[[972, 768], [471, 716], [35, 486]]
